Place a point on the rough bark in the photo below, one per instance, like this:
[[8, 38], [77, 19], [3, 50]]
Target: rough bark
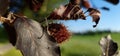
[[33, 40]]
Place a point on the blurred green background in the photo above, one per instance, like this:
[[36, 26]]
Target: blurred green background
[[80, 44]]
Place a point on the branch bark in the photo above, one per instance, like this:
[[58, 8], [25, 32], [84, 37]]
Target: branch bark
[[33, 40]]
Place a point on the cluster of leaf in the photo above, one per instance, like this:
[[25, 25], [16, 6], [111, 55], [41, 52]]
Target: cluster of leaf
[[72, 11]]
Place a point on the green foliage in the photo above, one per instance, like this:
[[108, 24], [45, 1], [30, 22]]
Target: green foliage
[[3, 35], [13, 52], [89, 32], [46, 9], [86, 45], [50, 5], [78, 45]]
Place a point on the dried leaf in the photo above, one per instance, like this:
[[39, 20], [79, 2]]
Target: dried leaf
[[67, 12], [72, 11], [108, 46], [115, 2], [95, 14], [85, 3]]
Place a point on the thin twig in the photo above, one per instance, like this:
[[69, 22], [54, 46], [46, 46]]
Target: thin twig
[[47, 26]]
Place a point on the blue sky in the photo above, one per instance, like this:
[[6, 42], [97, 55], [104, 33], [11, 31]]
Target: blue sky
[[110, 20]]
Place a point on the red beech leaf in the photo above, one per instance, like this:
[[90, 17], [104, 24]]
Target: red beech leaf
[[114, 2], [67, 12], [85, 3], [95, 14], [72, 11]]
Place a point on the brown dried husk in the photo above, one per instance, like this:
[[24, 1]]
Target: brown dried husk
[[59, 32]]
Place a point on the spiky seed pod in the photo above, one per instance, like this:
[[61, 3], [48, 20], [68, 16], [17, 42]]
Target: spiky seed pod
[[59, 32]]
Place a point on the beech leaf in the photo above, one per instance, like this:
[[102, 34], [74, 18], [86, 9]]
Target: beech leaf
[[85, 3], [95, 14], [67, 12], [72, 11], [115, 2], [108, 46]]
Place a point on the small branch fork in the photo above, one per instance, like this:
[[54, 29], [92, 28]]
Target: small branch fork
[[10, 18]]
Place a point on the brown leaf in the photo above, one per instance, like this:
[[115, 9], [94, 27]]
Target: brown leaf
[[115, 2], [108, 46], [67, 12], [60, 11], [73, 11], [95, 14], [85, 3]]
